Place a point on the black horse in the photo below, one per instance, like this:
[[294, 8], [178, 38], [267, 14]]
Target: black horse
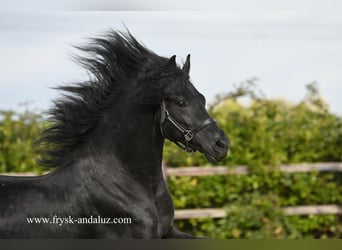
[[105, 140]]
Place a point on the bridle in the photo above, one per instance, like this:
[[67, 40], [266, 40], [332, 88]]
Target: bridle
[[188, 134]]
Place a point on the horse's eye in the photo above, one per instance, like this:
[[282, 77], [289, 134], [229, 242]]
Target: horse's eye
[[180, 103]]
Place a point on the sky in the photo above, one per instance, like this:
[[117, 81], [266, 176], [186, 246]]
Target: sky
[[285, 46]]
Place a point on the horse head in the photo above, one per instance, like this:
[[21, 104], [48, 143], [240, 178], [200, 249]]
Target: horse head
[[184, 118]]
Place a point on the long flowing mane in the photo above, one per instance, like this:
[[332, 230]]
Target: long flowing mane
[[112, 61]]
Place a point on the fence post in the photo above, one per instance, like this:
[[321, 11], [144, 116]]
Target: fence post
[[164, 171]]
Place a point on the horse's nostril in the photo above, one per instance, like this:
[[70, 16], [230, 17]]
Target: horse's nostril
[[220, 146], [221, 143]]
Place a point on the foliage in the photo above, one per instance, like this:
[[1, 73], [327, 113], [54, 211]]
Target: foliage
[[18, 132], [259, 217], [264, 134], [271, 132], [254, 202]]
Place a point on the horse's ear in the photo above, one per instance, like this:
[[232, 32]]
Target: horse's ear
[[171, 63], [186, 66]]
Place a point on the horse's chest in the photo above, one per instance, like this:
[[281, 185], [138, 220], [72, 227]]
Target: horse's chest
[[153, 214]]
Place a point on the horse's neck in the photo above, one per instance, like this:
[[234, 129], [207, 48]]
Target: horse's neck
[[136, 142]]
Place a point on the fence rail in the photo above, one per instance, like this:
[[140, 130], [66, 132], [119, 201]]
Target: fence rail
[[290, 211], [243, 170], [239, 170]]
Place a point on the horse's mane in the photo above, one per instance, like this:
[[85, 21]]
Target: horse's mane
[[112, 61]]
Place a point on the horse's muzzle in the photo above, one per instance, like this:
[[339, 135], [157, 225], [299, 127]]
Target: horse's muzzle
[[220, 150]]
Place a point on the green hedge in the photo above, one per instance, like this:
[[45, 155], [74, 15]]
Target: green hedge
[[271, 132], [264, 134], [254, 202], [18, 132]]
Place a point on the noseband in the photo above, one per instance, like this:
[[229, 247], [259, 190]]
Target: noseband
[[188, 134]]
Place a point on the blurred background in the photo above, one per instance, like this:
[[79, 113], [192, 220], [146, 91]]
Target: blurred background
[[272, 77]]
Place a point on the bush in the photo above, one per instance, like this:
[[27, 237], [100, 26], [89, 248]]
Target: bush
[[265, 134], [18, 132], [271, 132], [254, 202], [254, 218]]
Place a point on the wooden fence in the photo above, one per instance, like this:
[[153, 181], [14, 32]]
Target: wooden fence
[[243, 170]]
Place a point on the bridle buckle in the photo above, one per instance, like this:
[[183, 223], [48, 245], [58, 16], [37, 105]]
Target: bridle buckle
[[188, 135]]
